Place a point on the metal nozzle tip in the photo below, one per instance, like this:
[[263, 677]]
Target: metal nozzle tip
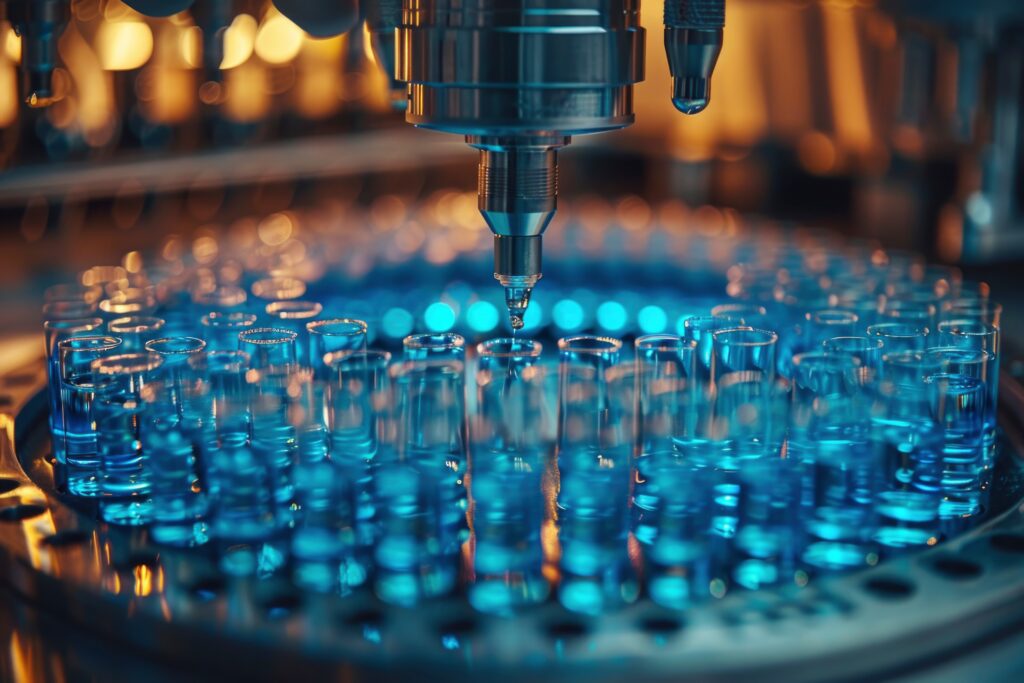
[[691, 95], [517, 300]]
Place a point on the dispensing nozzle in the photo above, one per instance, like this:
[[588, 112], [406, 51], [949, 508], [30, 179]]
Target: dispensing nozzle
[[693, 41], [518, 195]]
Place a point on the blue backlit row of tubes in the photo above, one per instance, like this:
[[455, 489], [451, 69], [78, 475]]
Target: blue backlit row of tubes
[[776, 438]]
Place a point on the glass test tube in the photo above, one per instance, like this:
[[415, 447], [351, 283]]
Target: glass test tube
[[78, 389], [136, 330], [334, 335], [508, 457], [867, 350], [898, 336], [958, 406], [594, 449], [828, 438], [177, 490], [293, 315], [671, 515], [178, 370], [132, 301], [822, 325], [223, 299], [117, 408], [442, 346], [984, 310], [739, 314], [908, 441], [271, 289], [54, 332], [221, 328], [975, 334], [743, 374]]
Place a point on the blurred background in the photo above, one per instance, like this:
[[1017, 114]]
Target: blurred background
[[890, 121]]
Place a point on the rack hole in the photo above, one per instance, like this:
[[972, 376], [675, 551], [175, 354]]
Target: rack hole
[[363, 617], [956, 568], [889, 587], [8, 485], [66, 539], [17, 513], [1008, 543]]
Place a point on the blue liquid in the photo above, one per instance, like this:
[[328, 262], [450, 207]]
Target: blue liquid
[[908, 507], [593, 527], [241, 493], [125, 484], [507, 514], [413, 560], [179, 498], [324, 542], [673, 525], [769, 537], [843, 478], [79, 437]]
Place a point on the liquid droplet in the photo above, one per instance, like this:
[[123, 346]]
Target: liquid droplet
[[516, 322]]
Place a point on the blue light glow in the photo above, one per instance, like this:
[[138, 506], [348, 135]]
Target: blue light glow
[[652, 319], [612, 316], [482, 316], [439, 317], [568, 315], [397, 322]]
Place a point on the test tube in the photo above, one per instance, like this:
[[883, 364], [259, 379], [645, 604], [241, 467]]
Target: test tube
[[136, 330], [508, 449], [132, 301], [984, 310], [976, 334], [117, 409], [867, 350], [268, 347], [769, 537], [671, 516], [740, 314], [334, 335], [700, 330], [221, 328], [822, 325], [897, 337], [78, 390], [594, 448], [743, 374], [177, 490], [223, 299], [958, 405], [443, 346], [432, 433], [293, 315], [909, 443], [178, 370], [828, 438], [271, 289], [54, 332], [357, 404]]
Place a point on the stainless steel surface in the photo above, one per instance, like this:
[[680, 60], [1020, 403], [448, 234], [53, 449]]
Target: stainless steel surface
[[693, 41]]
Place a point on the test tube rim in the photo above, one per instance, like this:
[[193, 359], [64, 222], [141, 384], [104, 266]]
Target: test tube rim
[[842, 316], [283, 309], [531, 348], [975, 355], [286, 285], [609, 344], [673, 342], [454, 340], [359, 327], [878, 344], [768, 337], [72, 324], [231, 319], [976, 328], [282, 336], [134, 324], [910, 331], [197, 346], [127, 363], [721, 310], [804, 357], [109, 342], [204, 296]]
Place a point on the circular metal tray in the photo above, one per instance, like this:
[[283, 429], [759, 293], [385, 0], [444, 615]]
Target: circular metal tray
[[174, 607]]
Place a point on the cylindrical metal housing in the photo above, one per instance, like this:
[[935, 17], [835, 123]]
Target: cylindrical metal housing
[[479, 67]]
